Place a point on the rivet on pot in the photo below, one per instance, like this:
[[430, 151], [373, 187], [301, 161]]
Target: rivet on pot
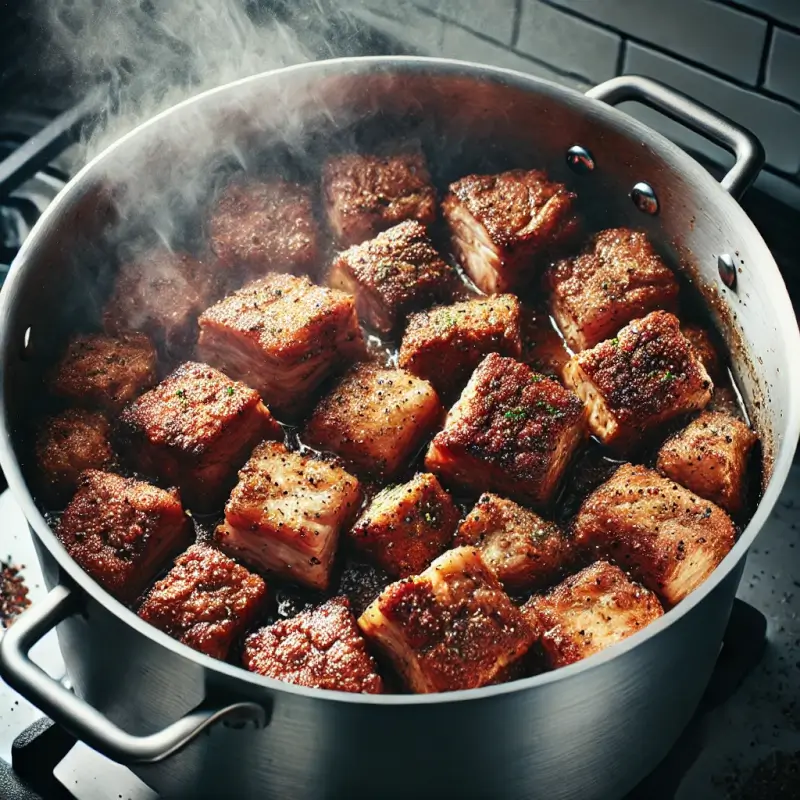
[[727, 270], [580, 160], [644, 198]]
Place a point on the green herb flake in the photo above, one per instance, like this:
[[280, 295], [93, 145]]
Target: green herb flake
[[667, 376], [615, 342], [536, 378], [181, 394], [550, 409], [516, 414], [230, 391]]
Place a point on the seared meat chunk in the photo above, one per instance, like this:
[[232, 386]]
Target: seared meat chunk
[[445, 344], [194, 429], [671, 539], [262, 226], [396, 272], [69, 443], [512, 431], [590, 611], [122, 531], [705, 349], [523, 550], [366, 194], [501, 224], [709, 458], [206, 601], [618, 278], [632, 384], [375, 419], [405, 527], [105, 371], [543, 348], [321, 648], [452, 627], [286, 512], [161, 294], [283, 336]]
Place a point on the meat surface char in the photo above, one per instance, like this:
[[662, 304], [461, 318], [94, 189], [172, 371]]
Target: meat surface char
[[393, 274], [709, 457], [321, 648], [500, 224], [646, 376], [523, 550], [590, 611], [99, 371], [194, 429], [122, 531], [703, 345], [669, 538], [283, 336], [206, 601], [445, 344], [618, 278], [366, 194], [405, 527], [286, 513], [375, 419], [451, 627], [512, 431]]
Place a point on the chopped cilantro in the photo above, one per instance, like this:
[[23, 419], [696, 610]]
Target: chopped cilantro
[[516, 414], [230, 391], [615, 342], [180, 393], [550, 409]]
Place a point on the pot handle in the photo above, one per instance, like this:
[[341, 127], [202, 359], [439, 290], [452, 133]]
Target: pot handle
[[719, 129], [78, 717]]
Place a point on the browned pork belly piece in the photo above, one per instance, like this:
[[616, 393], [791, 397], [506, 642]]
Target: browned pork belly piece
[[107, 372], [590, 611], [709, 457], [405, 527], [262, 226], [705, 349], [206, 601], [283, 336], [512, 431], [523, 550], [618, 278], [122, 531], [451, 627], [366, 194], [194, 430], [396, 272], [321, 648], [375, 419], [445, 344], [500, 224], [161, 294], [632, 384], [543, 348], [670, 538], [286, 512]]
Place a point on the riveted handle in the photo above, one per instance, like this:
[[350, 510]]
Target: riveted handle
[[78, 717], [747, 149]]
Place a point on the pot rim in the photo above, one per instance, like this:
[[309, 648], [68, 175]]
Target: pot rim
[[609, 116]]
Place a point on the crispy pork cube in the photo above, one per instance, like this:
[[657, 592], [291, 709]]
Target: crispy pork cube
[[632, 384], [375, 419], [543, 348], [590, 611], [283, 336], [161, 294], [670, 538], [445, 344], [512, 431], [619, 277], [709, 458], [321, 648], [286, 512], [523, 550], [451, 627], [263, 226], [105, 371], [405, 527], [69, 443], [206, 601], [122, 531], [393, 274], [194, 430], [500, 225], [705, 349], [366, 194]]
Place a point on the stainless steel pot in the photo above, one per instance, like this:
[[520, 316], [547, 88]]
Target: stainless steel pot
[[591, 730]]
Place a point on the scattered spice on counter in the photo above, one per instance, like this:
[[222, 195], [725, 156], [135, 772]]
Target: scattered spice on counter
[[13, 594], [777, 777]]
